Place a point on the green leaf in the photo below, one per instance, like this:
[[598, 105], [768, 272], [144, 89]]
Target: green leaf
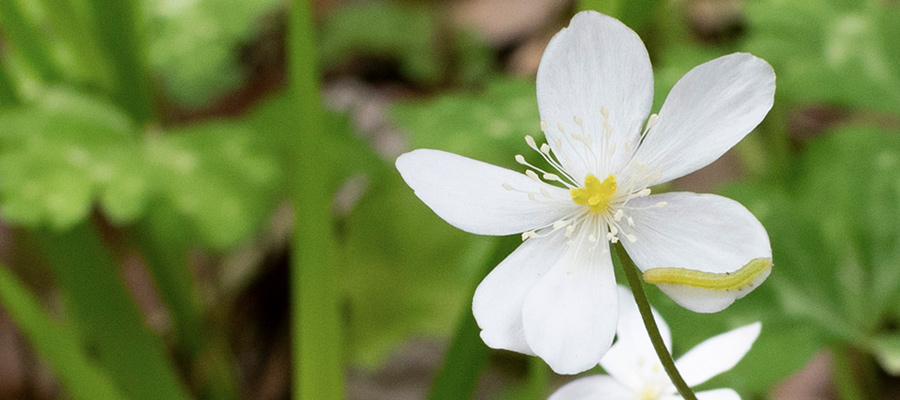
[[55, 343], [887, 350], [221, 178], [70, 152], [634, 13], [488, 126], [783, 347], [383, 29], [832, 234], [475, 58], [857, 169], [194, 46], [57, 156], [804, 277], [828, 51], [797, 305], [834, 245], [402, 270], [786, 343], [343, 153]]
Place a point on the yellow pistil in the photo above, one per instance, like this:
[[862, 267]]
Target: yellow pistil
[[596, 193]]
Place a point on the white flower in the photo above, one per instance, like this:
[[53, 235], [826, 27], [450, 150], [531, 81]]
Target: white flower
[[555, 296], [634, 369]]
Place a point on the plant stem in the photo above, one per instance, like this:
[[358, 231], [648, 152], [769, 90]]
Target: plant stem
[[167, 262], [845, 378], [106, 316], [119, 32], [55, 343], [8, 95], [28, 40], [70, 26], [467, 355], [637, 289], [315, 315], [538, 378]]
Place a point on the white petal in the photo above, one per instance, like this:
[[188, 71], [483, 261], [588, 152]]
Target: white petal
[[499, 298], [717, 354], [701, 232], [570, 315], [718, 394], [592, 388], [470, 194], [596, 62], [708, 111], [632, 358], [631, 325]]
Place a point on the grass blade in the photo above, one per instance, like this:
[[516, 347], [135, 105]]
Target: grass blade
[[167, 259], [117, 24], [27, 40], [168, 263], [55, 343], [468, 355], [70, 27], [107, 317], [8, 94]]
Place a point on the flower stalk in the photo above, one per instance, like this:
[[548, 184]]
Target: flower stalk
[[315, 315], [637, 289]]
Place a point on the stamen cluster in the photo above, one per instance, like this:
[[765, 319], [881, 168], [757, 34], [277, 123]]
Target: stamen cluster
[[604, 201]]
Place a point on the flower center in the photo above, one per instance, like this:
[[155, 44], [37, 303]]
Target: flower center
[[595, 194], [650, 393], [606, 211]]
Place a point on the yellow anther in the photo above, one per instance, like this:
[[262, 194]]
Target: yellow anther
[[595, 194]]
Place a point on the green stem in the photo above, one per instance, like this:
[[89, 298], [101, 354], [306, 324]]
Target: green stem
[[637, 288], [106, 315], [55, 343], [467, 355], [117, 26], [315, 322], [845, 378], [538, 378], [465, 359], [8, 94], [167, 260], [768, 155], [29, 41], [70, 27], [168, 263], [778, 143]]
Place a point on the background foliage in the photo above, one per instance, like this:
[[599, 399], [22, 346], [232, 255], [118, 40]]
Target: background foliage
[[148, 163]]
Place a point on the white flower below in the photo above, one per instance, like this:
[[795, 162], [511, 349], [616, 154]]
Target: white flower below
[[555, 296], [635, 372]]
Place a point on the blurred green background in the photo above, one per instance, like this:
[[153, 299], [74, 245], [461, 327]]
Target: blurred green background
[[195, 193]]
